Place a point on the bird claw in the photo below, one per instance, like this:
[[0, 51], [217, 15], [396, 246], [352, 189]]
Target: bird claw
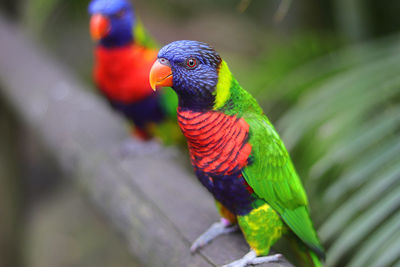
[[216, 229], [252, 259]]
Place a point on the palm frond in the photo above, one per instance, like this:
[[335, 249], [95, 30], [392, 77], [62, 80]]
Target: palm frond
[[343, 128]]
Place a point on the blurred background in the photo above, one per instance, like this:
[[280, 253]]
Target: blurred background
[[327, 73]]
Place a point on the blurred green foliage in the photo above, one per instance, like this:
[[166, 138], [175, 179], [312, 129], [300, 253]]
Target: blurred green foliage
[[343, 130]]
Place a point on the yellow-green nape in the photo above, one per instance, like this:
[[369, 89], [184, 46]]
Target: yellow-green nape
[[222, 91]]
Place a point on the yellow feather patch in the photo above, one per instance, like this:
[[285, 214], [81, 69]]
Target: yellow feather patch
[[262, 227], [222, 91]]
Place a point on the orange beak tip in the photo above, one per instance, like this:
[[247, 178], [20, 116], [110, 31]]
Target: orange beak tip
[[153, 86], [160, 76]]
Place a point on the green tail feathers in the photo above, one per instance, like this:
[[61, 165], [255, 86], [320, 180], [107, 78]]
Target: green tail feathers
[[315, 260], [307, 258]]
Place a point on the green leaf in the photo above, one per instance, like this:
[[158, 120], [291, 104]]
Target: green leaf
[[367, 165], [363, 226], [358, 140], [344, 130], [360, 200], [388, 253], [365, 253]]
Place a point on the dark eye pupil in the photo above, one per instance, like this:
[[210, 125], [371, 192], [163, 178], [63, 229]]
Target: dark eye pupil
[[191, 63]]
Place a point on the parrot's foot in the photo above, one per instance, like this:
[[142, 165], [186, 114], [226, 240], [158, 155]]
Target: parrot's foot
[[216, 229], [252, 259], [132, 147]]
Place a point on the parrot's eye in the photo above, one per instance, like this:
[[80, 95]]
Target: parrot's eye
[[191, 63]]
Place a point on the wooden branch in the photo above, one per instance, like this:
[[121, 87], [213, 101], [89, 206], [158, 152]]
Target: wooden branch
[[157, 206], [12, 191]]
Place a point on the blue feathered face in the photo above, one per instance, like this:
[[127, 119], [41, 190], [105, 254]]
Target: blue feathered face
[[111, 22], [194, 67]]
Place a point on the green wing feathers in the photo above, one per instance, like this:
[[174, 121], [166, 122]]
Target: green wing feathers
[[142, 37], [274, 179], [169, 101], [169, 97], [168, 131]]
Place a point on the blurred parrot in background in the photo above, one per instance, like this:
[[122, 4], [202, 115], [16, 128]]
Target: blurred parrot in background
[[124, 55], [237, 155]]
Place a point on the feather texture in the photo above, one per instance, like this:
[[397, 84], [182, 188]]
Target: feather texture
[[123, 59], [236, 152]]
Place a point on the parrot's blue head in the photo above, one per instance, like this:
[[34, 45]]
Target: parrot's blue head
[[111, 22], [191, 68]]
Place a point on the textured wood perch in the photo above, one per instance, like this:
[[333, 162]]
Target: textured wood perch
[[154, 203]]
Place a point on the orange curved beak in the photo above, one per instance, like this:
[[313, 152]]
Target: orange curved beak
[[99, 26], [160, 75]]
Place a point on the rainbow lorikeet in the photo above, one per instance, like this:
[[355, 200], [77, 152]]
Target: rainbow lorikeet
[[124, 55], [236, 154]]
